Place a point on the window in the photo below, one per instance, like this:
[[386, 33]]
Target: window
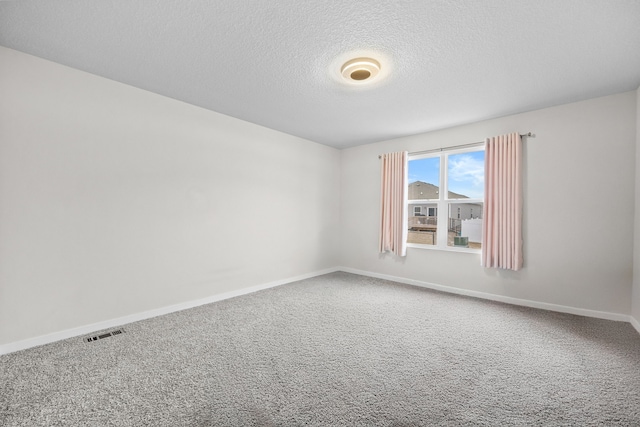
[[453, 217]]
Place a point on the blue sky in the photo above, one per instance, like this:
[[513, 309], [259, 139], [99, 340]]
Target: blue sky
[[465, 171], [425, 170]]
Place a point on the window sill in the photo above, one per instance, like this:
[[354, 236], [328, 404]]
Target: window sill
[[445, 249]]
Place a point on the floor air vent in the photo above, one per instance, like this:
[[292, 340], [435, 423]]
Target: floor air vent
[[105, 335]]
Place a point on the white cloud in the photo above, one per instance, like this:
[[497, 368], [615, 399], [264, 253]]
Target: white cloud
[[466, 175], [466, 169]]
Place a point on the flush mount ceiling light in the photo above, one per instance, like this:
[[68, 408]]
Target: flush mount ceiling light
[[360, 70]]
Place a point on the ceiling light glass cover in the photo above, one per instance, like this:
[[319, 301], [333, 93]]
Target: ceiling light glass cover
[[360, 70]]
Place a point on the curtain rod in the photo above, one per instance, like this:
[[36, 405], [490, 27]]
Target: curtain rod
[[471, 144]]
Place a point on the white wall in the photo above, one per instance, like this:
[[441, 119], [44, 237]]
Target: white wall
[[115, 201], [579, 175], [636, 265]]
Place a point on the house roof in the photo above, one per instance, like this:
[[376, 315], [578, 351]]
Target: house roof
[[277, 63], [419, 190]]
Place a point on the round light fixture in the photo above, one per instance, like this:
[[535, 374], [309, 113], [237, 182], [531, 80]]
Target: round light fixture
[[360, 70]]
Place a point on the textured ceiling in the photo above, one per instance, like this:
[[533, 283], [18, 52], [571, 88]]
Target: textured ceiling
[[274, 62]]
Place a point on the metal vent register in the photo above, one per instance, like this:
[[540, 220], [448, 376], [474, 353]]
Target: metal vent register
[[104, 335]]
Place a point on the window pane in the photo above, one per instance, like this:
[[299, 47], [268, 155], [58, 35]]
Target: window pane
[[423, 222], [465, 172], [465, 225], [424, 178]]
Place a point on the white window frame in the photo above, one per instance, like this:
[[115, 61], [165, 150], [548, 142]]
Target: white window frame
[[443, 202]]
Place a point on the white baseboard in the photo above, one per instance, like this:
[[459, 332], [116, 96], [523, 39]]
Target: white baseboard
[[635, 323], [499, 298], [107, 324]]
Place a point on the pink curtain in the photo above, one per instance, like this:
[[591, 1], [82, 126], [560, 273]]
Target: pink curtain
[[393, 220], [502, 219]]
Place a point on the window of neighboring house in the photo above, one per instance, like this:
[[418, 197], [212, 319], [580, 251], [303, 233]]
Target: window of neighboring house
[[454, 215], [417, 211]]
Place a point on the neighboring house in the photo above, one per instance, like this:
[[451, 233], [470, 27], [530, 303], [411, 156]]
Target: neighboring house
[[420, 190], [423, 190], [422, 216]]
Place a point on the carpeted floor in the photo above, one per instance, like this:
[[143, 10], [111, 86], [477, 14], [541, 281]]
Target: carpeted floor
[[335, 350]]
